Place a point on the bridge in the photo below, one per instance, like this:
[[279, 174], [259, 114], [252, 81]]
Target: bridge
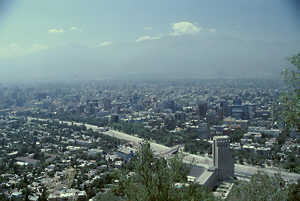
[[171, 151]]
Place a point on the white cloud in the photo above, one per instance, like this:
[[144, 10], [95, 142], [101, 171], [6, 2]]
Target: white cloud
[[14, 50], [184, 28], [105, 43], [147, 28], [77, 29], [56, 31], [73, 28], [13, 46], [38, 47], [144, 38]]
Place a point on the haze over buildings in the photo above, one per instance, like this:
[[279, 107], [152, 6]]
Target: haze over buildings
[[76, 40]]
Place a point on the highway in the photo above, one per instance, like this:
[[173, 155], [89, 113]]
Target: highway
[[240, 170]]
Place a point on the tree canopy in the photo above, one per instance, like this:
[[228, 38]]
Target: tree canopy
[[291, 97], [151, 178], [264, 188]]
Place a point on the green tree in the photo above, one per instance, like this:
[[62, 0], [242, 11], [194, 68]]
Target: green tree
[[107, 196], [260, 188], [291, 98], [26, 192], [44, 195], [2, 197], [294, 192], [154, 178]]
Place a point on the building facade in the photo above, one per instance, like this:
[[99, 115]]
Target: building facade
[[222, 158]]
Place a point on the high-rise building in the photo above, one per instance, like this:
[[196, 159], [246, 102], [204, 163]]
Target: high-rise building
[[247, 111], [170, 104], [134, 99], [107, 104], [223, 164], [202, 108], [222, 158], [180, 116], [237, 101], [117, 108], [238, 111], [92, 105], [226, 110], [251, 110], [114, 118]]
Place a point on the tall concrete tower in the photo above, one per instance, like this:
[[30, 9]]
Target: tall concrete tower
[[222, 158]]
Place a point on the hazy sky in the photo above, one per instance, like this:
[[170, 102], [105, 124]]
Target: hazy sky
[[96, 39]]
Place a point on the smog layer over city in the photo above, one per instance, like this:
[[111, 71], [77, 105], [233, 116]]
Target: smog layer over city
[[157, 100]]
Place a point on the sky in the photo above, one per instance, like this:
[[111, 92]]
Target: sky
[[128, 39]]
